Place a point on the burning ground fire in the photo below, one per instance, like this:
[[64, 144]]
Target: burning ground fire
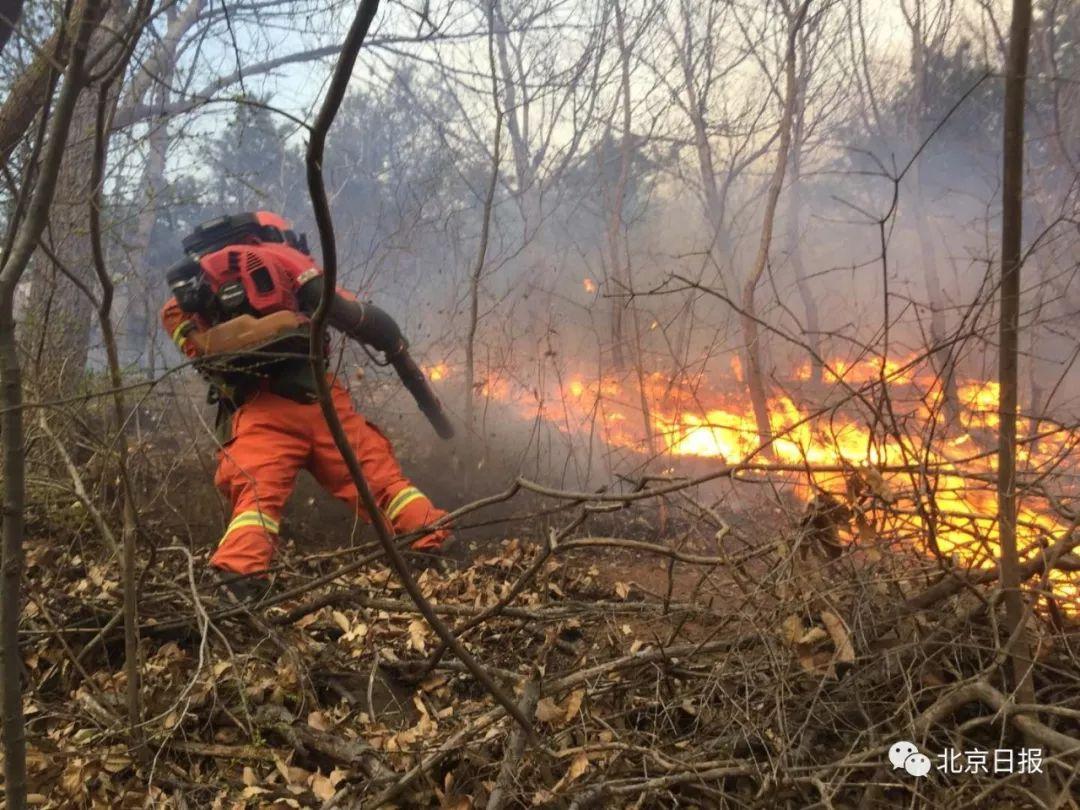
[[832, 450]]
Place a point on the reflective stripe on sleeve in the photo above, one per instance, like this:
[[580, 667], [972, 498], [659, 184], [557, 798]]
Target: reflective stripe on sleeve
[[179, 335]]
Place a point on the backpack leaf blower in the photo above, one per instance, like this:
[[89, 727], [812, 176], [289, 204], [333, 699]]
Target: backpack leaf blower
[[239, 276]]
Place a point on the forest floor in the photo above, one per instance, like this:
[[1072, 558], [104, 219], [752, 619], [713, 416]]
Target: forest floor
[[725, 661]]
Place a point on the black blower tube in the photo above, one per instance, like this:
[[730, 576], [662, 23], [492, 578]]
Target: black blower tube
[[413, 379], [371, 325]]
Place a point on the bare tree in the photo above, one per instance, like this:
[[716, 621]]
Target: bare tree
[[60, 312], [27, 233], [476, 276], [10, 11], [619, 258], [1016, 610], [615, 194], [754, 371], [930, 26], [812, 44], [725, 132]]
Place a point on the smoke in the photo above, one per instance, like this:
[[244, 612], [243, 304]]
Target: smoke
[[890, 215]]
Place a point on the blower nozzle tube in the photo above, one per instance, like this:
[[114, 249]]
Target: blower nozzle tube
[[371, 325], [414, 380]]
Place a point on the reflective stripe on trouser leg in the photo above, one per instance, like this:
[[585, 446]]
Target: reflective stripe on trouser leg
[[401, 500], [248, 543], [250, 518], [410, 509]]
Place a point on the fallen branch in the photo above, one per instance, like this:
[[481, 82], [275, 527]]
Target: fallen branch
[[631, 787], [303, 738], [958, 581], [986, 694], [258, 753], [515, 747]]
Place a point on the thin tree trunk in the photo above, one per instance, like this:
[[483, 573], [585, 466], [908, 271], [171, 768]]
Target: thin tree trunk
[[129, 534], [812, 332], [140, 334], [620, 258], [755, 375], [481, 254], [11, 423], [618, 200], [64, 331], [1035, 406], [10, 12], [942, 360], [138, 341], [509, 107], [150, 89], [1011, 233]]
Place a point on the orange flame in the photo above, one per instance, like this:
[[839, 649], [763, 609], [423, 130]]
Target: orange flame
[[688, 418], [437, 372]]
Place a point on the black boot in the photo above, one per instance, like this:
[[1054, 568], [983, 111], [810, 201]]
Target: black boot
[[445, 559], [243, 590]]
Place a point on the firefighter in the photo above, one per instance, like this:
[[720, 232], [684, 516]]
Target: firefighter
[[241, 302]]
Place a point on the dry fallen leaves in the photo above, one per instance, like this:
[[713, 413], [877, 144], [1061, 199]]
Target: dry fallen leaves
[[417, 632], [322, 787], [548, 711], [578, 766], [845, 651], [810, 647]]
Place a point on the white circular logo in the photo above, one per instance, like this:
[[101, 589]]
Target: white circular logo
[[906, 755]]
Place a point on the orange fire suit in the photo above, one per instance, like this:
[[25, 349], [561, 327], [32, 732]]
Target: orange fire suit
[[272, 438]]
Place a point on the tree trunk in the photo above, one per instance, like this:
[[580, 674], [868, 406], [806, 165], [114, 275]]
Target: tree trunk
[[131, 615], [30, 91], [10, 12], [755, 375], [11, 422], [812, 332], [150, 91], [481, 253], [60, 314], [942, 358], [509, 108], [1011, 233], [617, 201], [139, 291]]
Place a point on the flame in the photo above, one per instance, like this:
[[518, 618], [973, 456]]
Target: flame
[[950, 507], [590, 285], [980, 401], [736, 368], [437, 372]]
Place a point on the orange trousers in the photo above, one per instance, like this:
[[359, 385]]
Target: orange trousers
[[273, 438]]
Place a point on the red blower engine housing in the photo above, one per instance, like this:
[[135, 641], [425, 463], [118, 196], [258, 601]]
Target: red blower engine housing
[[241, 264], [254, 278]]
